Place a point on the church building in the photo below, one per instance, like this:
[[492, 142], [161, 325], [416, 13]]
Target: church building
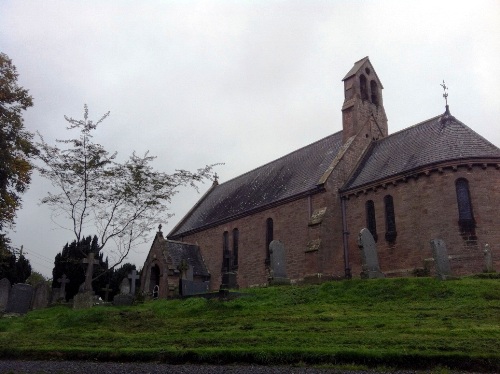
[[436, 179]]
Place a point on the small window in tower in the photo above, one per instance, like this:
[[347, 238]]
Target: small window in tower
[[236, 239], [374, 90], [390, 219], [367, 71], [269, 238], [362, 87], [466, 220], [371, 223]]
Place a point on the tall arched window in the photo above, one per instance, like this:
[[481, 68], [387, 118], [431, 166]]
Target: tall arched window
[[226, 255], [236, 239], [269, 238], [466, 220], [374, 92], [371, 223], [390, 219], [362, 87]]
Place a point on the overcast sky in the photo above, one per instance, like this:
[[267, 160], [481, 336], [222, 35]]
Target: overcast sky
[[238, 82]]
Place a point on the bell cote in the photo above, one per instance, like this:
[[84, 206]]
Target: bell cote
[[363, 108]]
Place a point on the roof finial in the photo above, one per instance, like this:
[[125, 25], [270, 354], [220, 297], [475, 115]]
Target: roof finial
[[216, 179], [445, 95], [159, 228]]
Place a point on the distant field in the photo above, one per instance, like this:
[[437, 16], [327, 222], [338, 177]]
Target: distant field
[[413, 323]]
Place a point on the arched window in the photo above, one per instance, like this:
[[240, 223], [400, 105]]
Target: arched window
[[226, 255], [374, 92], [269, 238], [236, 239], [371, 223], [466, 220], [362, 87], [390, 219]]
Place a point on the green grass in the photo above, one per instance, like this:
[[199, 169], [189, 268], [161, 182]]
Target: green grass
[[417, 323]]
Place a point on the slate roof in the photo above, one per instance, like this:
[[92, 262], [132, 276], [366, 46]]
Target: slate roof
[[431, 142], [191, 253], [284, 179]]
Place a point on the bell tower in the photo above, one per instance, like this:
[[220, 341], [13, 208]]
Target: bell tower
[[363, 108]]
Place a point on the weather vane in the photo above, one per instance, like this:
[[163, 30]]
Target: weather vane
[[445, 94]]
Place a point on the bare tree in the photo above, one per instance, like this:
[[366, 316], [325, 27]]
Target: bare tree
[[121, 201]]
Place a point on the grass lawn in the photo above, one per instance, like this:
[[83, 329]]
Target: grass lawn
[[410, 322]]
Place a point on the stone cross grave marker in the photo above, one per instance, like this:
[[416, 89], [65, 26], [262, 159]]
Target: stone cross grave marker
[[4, 293], [133, 276], [90, 261], [63, 280], [20, 298], [441, 260], [183, 268], [42, 294], [488, 260], [278, 262], [125, 297], [106, 290], [369, 255]]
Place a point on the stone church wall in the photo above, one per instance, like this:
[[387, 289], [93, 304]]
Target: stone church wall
[[426, 208]]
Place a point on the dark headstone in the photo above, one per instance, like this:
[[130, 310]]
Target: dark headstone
[[42, 296], [229, 280], [63, 280], [189, 287], [106, 290], [123, 300], [369, 255], [278, 263], [441, 259], [4, 293], [57, 296], [20, 298], [83, 300]]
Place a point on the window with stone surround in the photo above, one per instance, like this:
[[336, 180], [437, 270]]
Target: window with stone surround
[[226, 255], [236, 239], [371, 223], [390, 219], [466, 221], [269, 238]]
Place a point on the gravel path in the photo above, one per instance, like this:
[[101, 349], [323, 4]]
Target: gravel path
[[60, 367]]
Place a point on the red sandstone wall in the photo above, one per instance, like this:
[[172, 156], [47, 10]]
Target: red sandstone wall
[[426, 208]]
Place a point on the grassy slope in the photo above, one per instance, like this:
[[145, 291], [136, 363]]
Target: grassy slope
[[399, 322]]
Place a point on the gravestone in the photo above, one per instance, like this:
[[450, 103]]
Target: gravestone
[[83, 300], [42, 296], [189, 287], [369, 255], [63, 280], [57, 296], [125, 287], [106, 290], [20, 299], [488, 260], [441, 259], [90, 261], [4, 293], [125, 298], [133, 276], [278, 263]]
